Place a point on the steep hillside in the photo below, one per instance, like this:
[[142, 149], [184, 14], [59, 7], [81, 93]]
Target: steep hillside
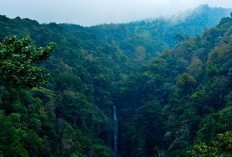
[[94, 68], [144, 39], [180, 98]]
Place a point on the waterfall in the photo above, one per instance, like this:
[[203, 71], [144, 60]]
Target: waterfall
[[115, 132]]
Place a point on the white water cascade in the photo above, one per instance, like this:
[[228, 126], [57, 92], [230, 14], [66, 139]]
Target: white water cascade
[[115, 132]]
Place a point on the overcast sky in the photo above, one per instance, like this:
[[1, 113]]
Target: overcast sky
[[92, 12]]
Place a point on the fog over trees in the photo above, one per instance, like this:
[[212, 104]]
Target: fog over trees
[[157, 87]]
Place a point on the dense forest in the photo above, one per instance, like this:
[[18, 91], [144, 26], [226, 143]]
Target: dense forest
[[168, 78]]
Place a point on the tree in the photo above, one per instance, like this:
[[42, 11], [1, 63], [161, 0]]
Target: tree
[[19, 62], [195, 66], [186, 82], [221, 146]]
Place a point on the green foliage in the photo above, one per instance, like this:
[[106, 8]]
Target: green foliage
[[186, 82], [215, 124], [18, 59], [201, 150], [165, 104], [220, 146], [190, 83], [10, 144], [148, 134]]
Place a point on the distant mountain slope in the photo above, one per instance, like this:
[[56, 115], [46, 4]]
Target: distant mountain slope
[[137, 42], [153, 36]]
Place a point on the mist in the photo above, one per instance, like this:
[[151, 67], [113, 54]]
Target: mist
[[94, 12]]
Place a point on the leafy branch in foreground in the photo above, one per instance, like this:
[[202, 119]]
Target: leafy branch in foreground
[[19, 62]]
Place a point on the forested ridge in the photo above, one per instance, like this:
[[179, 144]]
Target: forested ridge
[[170, 81]]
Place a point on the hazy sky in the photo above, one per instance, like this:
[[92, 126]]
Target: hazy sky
[[92, 12]]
